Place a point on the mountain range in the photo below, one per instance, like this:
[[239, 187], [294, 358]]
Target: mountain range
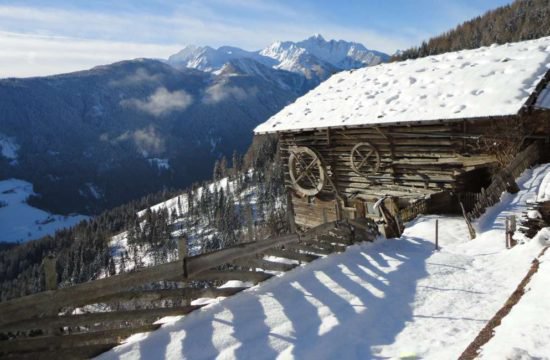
[[93, 139], [314, 58]]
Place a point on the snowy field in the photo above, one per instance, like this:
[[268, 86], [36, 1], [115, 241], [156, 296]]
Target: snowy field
[[387, 299], [21, 222]]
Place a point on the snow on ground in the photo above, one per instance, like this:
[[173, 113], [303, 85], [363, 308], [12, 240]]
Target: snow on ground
[[21, 222], [544, 191], [161, 164], [197, 233], [489, 81], [9, 148], [179, 203], [525, 332], [388, 299]]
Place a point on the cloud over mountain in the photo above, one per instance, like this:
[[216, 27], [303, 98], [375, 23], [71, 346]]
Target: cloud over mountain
[[161, 102]]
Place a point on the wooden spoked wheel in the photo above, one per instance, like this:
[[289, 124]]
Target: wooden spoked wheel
[[306, 171], [365, 159]]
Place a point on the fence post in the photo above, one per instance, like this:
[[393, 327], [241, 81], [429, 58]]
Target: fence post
[[182, 256], [507, 233], [50, 272], [471, 229], [512, 229], [50, 279], [437, 234]]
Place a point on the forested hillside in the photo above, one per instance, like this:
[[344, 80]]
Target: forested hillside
[[246, 205], [521, 20]]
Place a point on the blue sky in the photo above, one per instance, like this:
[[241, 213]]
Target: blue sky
[[47, 37]]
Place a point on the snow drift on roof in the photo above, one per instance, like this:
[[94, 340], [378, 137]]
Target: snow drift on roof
[[489, 81]]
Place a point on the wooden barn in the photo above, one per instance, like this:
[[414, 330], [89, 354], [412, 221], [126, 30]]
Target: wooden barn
[[389, 141]]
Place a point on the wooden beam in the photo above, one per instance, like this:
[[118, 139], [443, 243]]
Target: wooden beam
[[224, 275], [200, 263], [94, 318], [264, 264], [87, 293], [165, 294], [70, 341], [292, 255], [82, 294], [308, 248], [75, 352]]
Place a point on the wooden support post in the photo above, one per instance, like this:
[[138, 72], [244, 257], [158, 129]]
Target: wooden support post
[[50, 272], [290, 212], [471, 229], [182, 256], [510, 230], [50, 279], [513, 228], [436, 234], [507, 233]]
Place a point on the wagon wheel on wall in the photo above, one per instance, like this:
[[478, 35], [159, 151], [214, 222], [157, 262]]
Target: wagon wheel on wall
[[365, 159], [307, 173]]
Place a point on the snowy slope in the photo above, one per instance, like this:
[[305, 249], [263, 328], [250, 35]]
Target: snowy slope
[[389, 299], [21, 222], [489, 81], [525, 332], [198, 229]]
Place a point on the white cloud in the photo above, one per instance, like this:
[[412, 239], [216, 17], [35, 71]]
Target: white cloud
[[32, 55], [147, 140], [30, 45], [161, 102], [220, 92], [141, 75]]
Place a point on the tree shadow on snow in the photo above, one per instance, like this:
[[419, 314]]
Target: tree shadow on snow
[[357, 329], [317, 320]]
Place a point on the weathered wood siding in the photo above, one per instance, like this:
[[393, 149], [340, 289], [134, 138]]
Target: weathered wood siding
[[416, 160]]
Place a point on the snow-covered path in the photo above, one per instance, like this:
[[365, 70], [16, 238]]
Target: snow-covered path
[[392, 298]]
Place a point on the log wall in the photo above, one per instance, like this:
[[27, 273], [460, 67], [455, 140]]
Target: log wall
[[415, 161]]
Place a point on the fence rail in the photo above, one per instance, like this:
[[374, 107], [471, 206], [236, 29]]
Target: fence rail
[[43, 321], [502, 181], [413, 210]]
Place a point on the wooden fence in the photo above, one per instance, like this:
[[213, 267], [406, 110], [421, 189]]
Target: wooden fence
[[413, 210], [45, 324], [504, 180]]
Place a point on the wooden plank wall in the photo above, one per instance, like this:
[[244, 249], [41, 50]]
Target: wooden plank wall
[[416, 160], [314, 211], [406, 160]]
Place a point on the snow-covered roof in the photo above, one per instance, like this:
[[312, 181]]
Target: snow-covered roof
[[489, 81]]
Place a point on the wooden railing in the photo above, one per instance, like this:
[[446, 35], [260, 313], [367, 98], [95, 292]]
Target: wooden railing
[[44, 322], [503, 180], [413, 210]]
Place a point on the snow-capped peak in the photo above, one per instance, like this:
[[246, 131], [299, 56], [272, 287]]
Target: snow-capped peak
[[206, 58], [315, 58]]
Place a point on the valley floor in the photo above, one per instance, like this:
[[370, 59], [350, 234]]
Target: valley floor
[[387, 299], [21, 222]]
